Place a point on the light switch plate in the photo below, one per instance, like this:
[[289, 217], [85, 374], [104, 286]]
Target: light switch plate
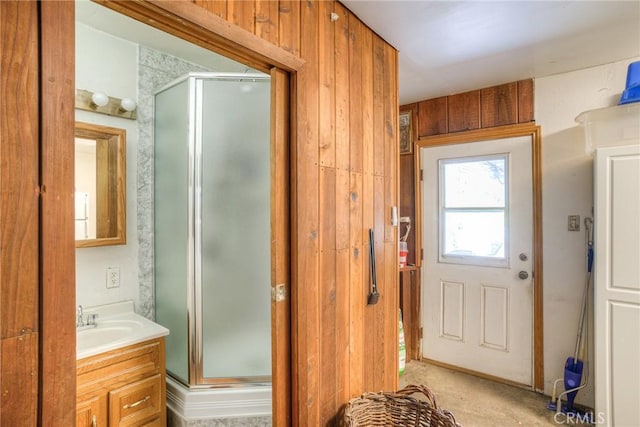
[[574, 223]]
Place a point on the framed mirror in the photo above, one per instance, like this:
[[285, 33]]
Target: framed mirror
[[100, 199]]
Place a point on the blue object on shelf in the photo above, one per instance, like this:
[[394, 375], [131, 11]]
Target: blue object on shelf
[[631, 92]]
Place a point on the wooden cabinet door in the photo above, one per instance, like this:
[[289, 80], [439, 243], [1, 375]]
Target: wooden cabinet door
[[92, 412]]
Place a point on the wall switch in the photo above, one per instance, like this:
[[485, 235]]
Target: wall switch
[[113, 277], [574, 223]]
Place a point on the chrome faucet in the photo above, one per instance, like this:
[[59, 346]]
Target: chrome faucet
[[79, 319]]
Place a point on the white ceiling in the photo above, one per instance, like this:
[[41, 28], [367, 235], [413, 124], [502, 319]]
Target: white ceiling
[[448, 47]]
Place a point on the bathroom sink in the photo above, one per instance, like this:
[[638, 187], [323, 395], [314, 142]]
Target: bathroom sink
[[117, 326], [101, 335]]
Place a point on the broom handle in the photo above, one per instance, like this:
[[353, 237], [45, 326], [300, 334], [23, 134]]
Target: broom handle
[[579, 350]]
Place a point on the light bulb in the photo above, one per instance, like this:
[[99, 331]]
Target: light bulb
[[128, 104], [100, 99]]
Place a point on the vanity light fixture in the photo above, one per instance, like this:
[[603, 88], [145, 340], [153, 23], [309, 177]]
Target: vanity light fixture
[[100, 99], [127, 104], [100, 102]]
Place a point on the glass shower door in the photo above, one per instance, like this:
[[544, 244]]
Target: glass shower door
[[233, 234]]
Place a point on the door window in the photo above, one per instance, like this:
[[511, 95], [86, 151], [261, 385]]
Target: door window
[[474, 210]]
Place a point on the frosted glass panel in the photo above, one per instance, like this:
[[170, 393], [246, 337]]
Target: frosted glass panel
[[171, 223], [236, 228]]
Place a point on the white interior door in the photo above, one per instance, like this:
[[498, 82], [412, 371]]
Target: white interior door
[[478, 244]]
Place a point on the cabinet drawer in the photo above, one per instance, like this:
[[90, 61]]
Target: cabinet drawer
[[136, 404], [119, 367]]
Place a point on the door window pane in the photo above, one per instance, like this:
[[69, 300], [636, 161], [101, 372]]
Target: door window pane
[[473, 210]]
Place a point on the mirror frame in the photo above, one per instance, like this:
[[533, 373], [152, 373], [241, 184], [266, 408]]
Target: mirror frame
[[118, 137]]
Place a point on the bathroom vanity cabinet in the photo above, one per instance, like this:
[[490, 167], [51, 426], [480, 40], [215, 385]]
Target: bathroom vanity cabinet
[[123, 387]]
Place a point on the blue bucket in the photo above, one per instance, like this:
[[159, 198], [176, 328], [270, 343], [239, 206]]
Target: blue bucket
[[632, 89]]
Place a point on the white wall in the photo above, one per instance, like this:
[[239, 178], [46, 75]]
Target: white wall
[[108, 64], [567, 189]]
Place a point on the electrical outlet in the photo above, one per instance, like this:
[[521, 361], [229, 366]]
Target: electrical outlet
[[113, 277]]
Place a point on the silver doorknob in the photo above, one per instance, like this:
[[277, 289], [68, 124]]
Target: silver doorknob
[[523, 275]]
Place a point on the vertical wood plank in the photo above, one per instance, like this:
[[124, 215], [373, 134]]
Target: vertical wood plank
[[391, 112], [308, 218], [242, 14], [281, 255], [218, 7], [327, 86], [19, 214], [58, 335], [19, 368], [368, 165], [328, 347], [19, 152], [378, 106], [499, 105], [358, 291], [525, 101], [464, 111], [390, 377], [343, 292], [432, 117], [356, 36], [289, 26], [342, 79], [266, 20]]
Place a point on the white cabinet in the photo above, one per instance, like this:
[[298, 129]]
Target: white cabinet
[[617, 285]]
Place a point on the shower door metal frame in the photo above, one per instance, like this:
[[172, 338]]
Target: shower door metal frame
[[196, 362]]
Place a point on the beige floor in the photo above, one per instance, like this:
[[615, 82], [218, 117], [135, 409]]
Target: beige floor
[[476, 402]]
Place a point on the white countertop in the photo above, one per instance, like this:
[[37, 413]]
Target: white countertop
[[117, 326]]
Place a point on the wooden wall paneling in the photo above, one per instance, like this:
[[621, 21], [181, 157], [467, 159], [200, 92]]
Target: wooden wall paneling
[[525, 101], [464, 111], [266, 20], [187, 21], [328, 346], [19, 171], [372, 335], [281, 240], [19, 214], [342, 80], [378, 107], [358, 290], [289, 26], [499, 105], [327, 87], [390, 345], [218, 7], [308, 217], [356, 36], [343, 205], [432, 117], [19, 380], [242, 14], [58, 332]]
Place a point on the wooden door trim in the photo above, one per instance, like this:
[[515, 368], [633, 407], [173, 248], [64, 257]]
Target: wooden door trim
[[191, 22], [57, 379], [525, 129], [194, 24]]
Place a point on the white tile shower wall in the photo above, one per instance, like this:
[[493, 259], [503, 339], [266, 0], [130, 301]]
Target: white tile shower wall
[[567, 173], [116, 77], [155, 69]]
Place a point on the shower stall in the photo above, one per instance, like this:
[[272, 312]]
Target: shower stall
[[212, 228]]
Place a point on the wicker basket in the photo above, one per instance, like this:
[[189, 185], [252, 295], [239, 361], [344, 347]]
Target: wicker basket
[[396, 409]]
